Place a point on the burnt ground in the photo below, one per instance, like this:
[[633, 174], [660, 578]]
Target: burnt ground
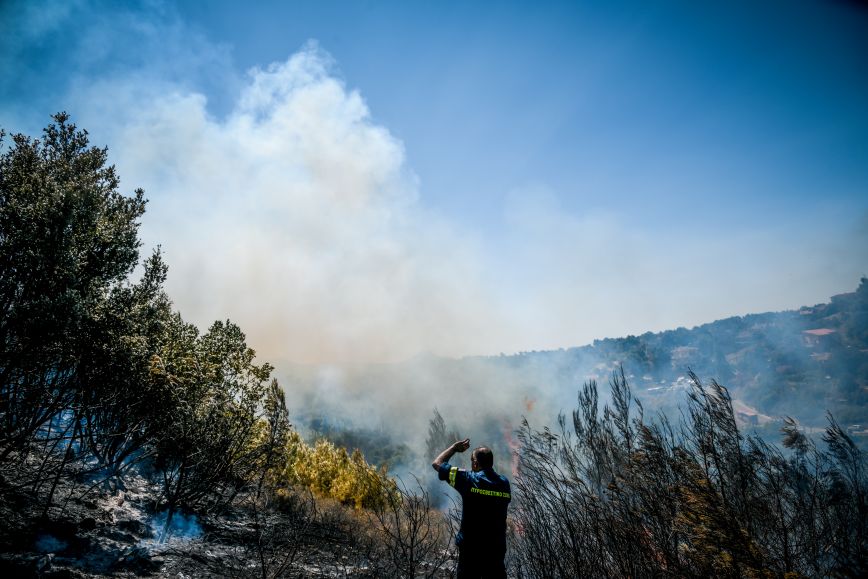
[[114, 531]]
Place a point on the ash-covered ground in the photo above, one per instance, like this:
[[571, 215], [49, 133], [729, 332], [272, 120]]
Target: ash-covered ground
[[103, 529]]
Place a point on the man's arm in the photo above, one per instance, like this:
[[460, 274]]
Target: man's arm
[[444, 456]]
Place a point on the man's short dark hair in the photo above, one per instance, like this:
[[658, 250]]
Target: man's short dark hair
[[484, 457]]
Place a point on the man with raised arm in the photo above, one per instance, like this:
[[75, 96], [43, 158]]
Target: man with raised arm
[[485, 495]]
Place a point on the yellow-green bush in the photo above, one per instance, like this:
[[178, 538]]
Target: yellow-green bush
[[332, 472]]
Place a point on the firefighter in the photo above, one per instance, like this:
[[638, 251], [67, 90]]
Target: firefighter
[[485, 495]]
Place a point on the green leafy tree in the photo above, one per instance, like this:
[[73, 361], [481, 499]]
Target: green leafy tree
[[98, 373], [211, 442], [68, 241]]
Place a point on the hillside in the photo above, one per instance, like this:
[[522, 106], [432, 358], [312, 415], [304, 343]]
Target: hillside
[[799, 363], [802, 363]]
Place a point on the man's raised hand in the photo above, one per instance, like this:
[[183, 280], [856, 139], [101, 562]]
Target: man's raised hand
[[461, 445]]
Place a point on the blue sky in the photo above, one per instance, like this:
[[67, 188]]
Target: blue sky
[[368, 180]]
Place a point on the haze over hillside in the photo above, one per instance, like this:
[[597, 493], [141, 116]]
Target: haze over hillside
[[800, 363]]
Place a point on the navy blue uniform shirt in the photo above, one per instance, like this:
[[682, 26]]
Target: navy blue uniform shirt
[[485, 496]]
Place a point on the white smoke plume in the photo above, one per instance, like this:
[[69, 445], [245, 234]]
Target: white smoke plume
[[297, 217]]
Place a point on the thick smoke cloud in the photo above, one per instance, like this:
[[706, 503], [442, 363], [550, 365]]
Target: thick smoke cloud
[[297, 217]]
